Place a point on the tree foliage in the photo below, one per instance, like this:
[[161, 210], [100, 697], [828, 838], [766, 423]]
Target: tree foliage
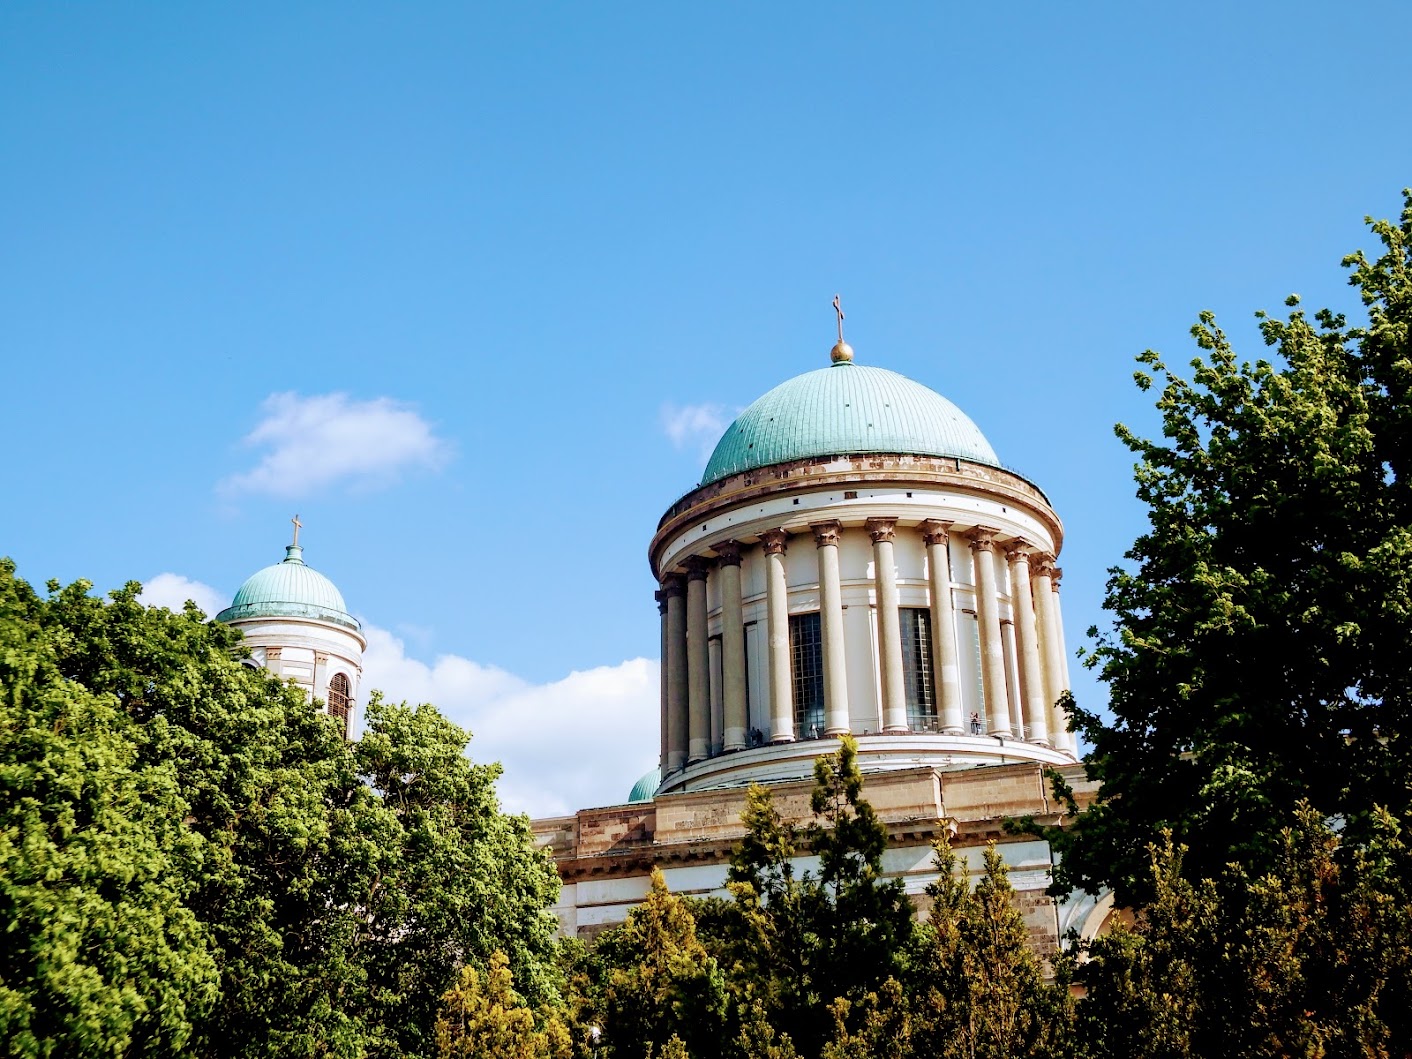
[[196, 862], [1309, 959], [1259, 651]]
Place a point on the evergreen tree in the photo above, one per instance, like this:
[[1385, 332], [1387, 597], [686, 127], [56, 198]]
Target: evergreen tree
[[663, 993], [483, 1018], [979, 990]]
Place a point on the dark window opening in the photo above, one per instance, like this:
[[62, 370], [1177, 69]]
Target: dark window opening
[[806, 649], [917, 673]]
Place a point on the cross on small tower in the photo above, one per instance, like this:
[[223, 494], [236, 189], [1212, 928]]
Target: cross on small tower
[[838, 309], [297, 525]]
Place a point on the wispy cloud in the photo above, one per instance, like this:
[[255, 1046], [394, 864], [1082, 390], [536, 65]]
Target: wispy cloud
[[327, 439], [695, 426], [172, 591], [573, 743]]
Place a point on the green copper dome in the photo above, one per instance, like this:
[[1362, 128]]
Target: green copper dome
[[841, 410], [645, 788], [289, 590]]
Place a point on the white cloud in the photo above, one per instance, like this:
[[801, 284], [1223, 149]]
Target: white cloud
[[575, 743], [172, 591], [695, 426], [328, 438]]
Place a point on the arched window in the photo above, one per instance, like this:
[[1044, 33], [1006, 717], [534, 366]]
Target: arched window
[[340, 700]]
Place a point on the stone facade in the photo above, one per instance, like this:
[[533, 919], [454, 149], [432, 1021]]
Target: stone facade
[[606, 856]]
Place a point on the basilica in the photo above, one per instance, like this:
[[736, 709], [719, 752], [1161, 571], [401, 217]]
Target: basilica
[[855, 560]]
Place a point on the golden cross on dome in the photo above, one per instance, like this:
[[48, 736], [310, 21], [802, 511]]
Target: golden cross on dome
[[297, 526], [838, 309]]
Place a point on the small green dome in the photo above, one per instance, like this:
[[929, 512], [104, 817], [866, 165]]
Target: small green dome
[[645, 788], [841, 410], [289, 590]]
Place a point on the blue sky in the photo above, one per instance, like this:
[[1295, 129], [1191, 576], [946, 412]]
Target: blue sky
[[470, 289]]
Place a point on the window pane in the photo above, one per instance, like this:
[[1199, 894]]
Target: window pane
[[807, 662], [917, 669]]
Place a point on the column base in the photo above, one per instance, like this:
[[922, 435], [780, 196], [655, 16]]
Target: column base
[[676, 761], [895, 730], [699, 752], [776, 739], [735, 739]]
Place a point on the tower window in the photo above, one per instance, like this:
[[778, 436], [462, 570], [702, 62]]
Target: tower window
[[806, 648], [917, 673], [340, 700]]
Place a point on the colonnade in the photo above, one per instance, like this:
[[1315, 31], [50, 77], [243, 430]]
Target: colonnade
[[1022, 662]]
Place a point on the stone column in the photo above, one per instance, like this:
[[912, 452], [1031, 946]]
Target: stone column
[[698, 680], [826, 538], [1026, 635], [1061, 716], [674, 592], [988, 617], [662, 668], [777, 611], [732, 647], [1051, 645], [945, 664], [1012, 682], [894, 691]]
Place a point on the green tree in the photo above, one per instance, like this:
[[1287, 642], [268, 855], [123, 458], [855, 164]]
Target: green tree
[[1259, 651], [101, 955], [335, 889], [793, 944], [662, 993], [1309, 959], [979, 990], [483, 1018], [864, 921]]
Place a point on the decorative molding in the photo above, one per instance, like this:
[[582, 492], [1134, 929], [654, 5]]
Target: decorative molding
[[881, 529], [936, 531], [773, 541], [274, 652], [1018, 550], [827, 533], [982, 539], [728, 552]]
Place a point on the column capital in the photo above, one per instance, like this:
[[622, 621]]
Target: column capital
[[697, 567], [274, 652], [1042, 563], [773, 541], [826, 533], [320, 658], [881, 529], [1018, 550], [982, 539], [1056, 578], [728, 552], [672, 585], [936, 531]]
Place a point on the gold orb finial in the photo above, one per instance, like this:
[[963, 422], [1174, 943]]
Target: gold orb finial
[[842, 352]]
